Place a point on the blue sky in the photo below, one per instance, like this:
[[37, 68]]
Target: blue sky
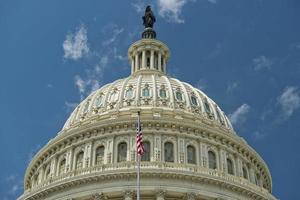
[[243, 54]]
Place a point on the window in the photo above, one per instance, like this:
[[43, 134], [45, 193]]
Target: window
[[169, 152], [163, 93], [122, 152], [191, 154], [179, 96], [155, 60], [146, 92], [257, 179], [212, 161], [86, 107], [98, 101], [129, 93], [79, 160], [245, 173], [207, 108], [230, 166], [114, 96], [194, 100], [146, 155], [148, 59], [62, 166], [99, 155], [47, 173]]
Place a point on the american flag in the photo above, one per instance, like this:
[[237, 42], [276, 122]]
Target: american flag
[[139, 138]]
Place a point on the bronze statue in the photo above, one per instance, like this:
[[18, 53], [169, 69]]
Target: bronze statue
[[148, 18]]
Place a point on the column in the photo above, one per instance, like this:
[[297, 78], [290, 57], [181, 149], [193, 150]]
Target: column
[[252, 174], [109, 155], [152, 60], [204, 155], [132, 65], [222, 166], [181, 150], [53, 167], [69, 159], [159, 61], [136, 57], [157, 148], [86, 156], [164, 65], [144, 59], [41, 174]]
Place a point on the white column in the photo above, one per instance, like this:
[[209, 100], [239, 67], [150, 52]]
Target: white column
[[181, 150], [109, 155], [53, 167], [136, 57], [222, 158], [157, 148], [152, 60], [164, 66], [144, 59], [159, 61], [69, 158], [132, 65]]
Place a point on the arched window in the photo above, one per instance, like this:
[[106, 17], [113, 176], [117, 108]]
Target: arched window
[[169, 152], [98, 101], [212, 161], [155, 60], [79, 160], [194, 100], [207, 107], [191, 154], [162, 93], [86, 107], [257, 179], [179, 96], [245, 173], [129, 93], [230, 166], [62, 166], [140, 60], [99, 155], [146, 155], [122, 152], [146, 92], [47, 173]]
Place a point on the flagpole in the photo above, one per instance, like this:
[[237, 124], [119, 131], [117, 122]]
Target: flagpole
[[138, 165]]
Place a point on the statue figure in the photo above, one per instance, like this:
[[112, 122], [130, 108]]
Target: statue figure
[[148, 18]]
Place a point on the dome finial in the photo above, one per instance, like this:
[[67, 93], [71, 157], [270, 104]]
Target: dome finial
[[148, 22]]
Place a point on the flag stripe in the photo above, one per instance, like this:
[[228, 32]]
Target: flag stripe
[[139, 138]]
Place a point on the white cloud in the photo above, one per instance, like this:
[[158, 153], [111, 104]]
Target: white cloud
[[116, 31], [75, 46], [201, 84], [262, 62], [171, 9], [15, 183], [212, 1], [289, 101], [232, 86], [258, 135], [239, 115], [139, 6]]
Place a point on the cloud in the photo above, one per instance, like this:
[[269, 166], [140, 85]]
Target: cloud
[[139, 6], [212, 1], [262, 62], [70, 106], [115, 32], [289, 101], [201, 84], [232, 86], [239, 115], [258, 135], [171, 9], [15, 185], [75, 46]]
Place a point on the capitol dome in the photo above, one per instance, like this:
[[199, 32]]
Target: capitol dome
[[191, 149]]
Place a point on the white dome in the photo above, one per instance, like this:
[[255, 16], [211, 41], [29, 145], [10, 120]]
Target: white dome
[[192, 150], [148, 90]]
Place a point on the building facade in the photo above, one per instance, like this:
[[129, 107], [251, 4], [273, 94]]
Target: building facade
[[192, 151]]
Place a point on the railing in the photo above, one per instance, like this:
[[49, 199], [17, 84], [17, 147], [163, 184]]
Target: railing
[[164, 167]]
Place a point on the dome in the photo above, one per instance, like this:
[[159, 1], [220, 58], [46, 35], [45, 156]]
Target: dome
[[191, 149], [153, 93]]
